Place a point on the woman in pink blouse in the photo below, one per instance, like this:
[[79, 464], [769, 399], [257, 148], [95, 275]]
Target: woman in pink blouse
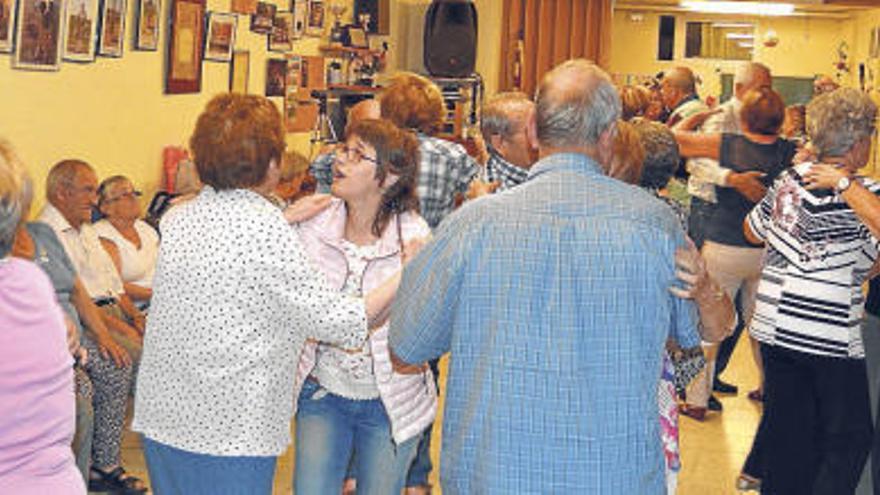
[[36, 373]]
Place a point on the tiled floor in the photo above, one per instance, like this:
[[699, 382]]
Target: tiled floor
[[712, 451]]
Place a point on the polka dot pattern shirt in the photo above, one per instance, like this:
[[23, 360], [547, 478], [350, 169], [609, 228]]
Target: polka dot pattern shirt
[[234, 299]]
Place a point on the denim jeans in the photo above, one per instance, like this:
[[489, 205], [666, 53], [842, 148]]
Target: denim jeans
[[178, 472], [330, 429]]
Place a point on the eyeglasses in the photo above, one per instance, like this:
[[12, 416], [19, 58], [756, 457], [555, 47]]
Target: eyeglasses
[[356, 154], [125, 195]]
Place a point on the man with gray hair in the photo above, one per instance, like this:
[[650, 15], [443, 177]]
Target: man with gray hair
[[503, 126], [555, 300]]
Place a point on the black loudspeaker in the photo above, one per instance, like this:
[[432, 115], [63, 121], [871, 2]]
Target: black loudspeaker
[[379, 11], [451, 38]]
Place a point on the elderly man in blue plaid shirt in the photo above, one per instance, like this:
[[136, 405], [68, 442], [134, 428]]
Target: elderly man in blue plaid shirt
[[555, 299]]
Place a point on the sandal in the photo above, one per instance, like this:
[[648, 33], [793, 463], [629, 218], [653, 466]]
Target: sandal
[[694, 412], [116, 482], [746, 483]]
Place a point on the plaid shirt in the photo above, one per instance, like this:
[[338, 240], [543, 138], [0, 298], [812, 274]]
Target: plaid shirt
[[553, 300], [445, 169], [500, 170], [321, 169]]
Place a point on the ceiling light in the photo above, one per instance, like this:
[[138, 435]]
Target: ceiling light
[[728, 7], [739, 36], [732, 25]]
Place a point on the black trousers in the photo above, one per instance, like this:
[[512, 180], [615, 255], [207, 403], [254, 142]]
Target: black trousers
[[817, 423]]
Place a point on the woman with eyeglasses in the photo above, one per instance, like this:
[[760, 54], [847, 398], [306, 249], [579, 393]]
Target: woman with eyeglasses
[[355, 406], [132, 243]]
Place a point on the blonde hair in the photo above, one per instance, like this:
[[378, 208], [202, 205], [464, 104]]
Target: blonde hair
[[629, 154], [15, 195]]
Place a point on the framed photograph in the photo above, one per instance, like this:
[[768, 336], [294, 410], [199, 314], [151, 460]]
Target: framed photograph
[[239, 72], [38, 35], [263, 19], [315, 20], [80, 29], [185, 42], [243, 6], [357, 37], [300, 10], [146, 34], [7, 25], [281, 37], [276, 75], [112, 28], [221, 36]]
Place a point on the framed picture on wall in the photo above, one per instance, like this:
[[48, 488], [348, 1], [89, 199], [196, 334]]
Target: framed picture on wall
[[300, 9], [315, 20], [281, 37], [112, 28], [221, 36], [185, 43], [243, 6], [146, 34], [38, 35], [80, 28], [239, 71], [276, 74], [7, 25], [262, 20]]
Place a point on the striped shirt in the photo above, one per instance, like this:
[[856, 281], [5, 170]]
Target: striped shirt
[[818, 255]]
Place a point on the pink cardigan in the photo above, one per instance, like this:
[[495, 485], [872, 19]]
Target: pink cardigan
[[410, 400]]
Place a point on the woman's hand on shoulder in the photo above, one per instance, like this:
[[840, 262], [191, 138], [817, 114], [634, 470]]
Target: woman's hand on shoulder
[[823, 176], [306, 208], [412, 247]]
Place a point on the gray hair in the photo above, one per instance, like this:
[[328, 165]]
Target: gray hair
[[661, 153], [108, 184], [502, 113], [575, 103], [15, 195], [745, 73], [836, 121], [63, 174]]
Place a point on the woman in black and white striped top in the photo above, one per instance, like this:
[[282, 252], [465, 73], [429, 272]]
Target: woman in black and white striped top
[[809, 306]]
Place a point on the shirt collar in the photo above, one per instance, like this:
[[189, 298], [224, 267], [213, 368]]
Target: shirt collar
[[566, 162], [331, 229], [508, 169], [52, 217], [687, 99]]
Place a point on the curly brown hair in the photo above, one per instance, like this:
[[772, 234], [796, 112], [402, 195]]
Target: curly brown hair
[[397, 152], [411, 101], [235, 139]]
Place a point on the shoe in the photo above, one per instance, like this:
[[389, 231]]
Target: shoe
[[745, 483], [694, 412], [756, 395], [723, 387], [714, 404], [116, 481]]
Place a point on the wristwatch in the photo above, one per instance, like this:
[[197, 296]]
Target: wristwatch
[[842, 185]]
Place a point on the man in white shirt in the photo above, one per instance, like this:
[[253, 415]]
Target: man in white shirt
[[70, 193], [678, 90], [706, 174]]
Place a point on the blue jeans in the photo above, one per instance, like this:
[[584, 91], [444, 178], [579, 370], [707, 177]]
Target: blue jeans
[[178, 472], [330, 429]]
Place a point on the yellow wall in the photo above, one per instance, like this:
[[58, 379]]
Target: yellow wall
[[113, 113], [807, 47]]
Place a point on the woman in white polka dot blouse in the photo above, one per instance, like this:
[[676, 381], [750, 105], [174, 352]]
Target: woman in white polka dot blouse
[[234, 300]]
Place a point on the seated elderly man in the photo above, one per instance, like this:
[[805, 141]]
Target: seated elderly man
[[71, 192]]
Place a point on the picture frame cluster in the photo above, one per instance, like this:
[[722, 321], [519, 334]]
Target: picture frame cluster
[[41, 34]]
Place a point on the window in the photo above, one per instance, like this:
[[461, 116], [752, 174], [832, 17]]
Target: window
[[721, 40], [666, 43]]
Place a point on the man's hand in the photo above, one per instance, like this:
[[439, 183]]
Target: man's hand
[[139, 320], [748, 184], [823, 176], [694, 121], [479, 188], [110, 349], [690, 269], [306, 208]]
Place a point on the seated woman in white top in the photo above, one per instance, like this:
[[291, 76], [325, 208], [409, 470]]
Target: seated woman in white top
[[131, 242]]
